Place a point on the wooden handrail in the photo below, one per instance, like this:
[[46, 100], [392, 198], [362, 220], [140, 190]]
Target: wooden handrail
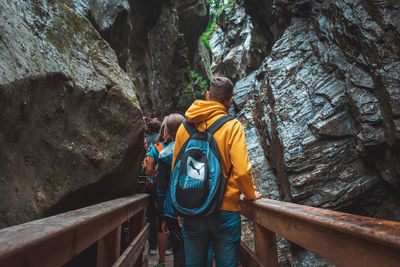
[[343, 239], [55, 240]]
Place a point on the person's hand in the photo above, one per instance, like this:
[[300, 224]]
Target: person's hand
[[180, 221], [164, 227], [258, 196]]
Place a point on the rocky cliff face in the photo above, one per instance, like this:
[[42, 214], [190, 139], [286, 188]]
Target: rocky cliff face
[[156, 43], [317, 90], [73, 76], [238, 46], [71, 127], [324, 101]]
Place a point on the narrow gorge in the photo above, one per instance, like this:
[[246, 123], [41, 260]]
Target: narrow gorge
[[317, 89]]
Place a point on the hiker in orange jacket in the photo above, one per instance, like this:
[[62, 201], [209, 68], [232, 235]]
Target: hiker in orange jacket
[[223, 228]]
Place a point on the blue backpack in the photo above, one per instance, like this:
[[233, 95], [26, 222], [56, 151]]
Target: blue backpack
[[197, 182]]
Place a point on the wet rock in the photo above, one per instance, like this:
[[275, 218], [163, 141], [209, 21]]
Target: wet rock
[[150, 48], [158, 63], [326, 107], [245, 93], [202, 61], [193, 20], [237, 47], [71, 126], [106, 12]]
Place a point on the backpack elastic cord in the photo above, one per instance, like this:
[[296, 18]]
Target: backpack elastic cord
[[189, 127], [218, 123]]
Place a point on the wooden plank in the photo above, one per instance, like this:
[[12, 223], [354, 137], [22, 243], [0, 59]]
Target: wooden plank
[[55, 240], [135, 249], [380, 231], [343, 239], [136, 224], [247, 258], [108, 248], [265, 246], [139, 260], [145, 262]]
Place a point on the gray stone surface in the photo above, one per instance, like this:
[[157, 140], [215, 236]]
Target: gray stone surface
[[193, 19], [324, 102], [71, 127], [149, 45], [237, 47]]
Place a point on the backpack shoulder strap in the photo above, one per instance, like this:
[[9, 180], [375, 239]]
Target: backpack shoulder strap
[[190, 128], [218, 123]]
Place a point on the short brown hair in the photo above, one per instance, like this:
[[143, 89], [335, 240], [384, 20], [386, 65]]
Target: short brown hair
[[172, 123], [221, 89], [152, 125]]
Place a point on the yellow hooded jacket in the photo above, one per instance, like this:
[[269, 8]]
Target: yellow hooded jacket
[[232, 147]]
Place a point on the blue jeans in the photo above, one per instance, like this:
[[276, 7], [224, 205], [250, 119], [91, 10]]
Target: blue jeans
[[223, 229]]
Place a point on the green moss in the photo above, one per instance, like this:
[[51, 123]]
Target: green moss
[[212, 25], [200, 85], [196, 89]]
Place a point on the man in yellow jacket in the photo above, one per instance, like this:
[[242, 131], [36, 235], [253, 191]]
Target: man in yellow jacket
[[223, 228]]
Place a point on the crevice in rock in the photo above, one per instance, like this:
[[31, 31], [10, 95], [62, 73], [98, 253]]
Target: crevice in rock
[[273, 147]]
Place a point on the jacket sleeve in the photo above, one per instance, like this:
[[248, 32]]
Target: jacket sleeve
[[162, 184], [240, 160]]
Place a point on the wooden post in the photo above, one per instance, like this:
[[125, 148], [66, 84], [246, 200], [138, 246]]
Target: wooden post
[[136, 225], [265, 246], [108, 248]]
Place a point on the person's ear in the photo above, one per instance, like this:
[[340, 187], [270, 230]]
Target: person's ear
[[208, 95], [228, 103]]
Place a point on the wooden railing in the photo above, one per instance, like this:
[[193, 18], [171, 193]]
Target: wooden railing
[[343, 239], [55, 240]]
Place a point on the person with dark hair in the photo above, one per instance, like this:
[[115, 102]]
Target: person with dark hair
[[152, 128], [152, 125], [170, 224], [223, 227], [152, 171]]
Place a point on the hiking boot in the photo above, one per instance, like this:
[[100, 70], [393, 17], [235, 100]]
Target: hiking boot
[[159, 264]]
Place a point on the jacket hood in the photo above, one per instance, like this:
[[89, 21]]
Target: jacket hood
[[202, 110]]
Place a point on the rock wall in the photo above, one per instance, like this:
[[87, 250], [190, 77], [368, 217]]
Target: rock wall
[[328, 103], [324, 101], [193, 19], [237, 45], [71, 129], [151, 48]]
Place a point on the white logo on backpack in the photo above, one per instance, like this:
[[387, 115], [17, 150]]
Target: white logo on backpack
[[195, 169]]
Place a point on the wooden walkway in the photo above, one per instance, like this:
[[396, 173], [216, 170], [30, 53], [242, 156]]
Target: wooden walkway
[[169, 260]]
